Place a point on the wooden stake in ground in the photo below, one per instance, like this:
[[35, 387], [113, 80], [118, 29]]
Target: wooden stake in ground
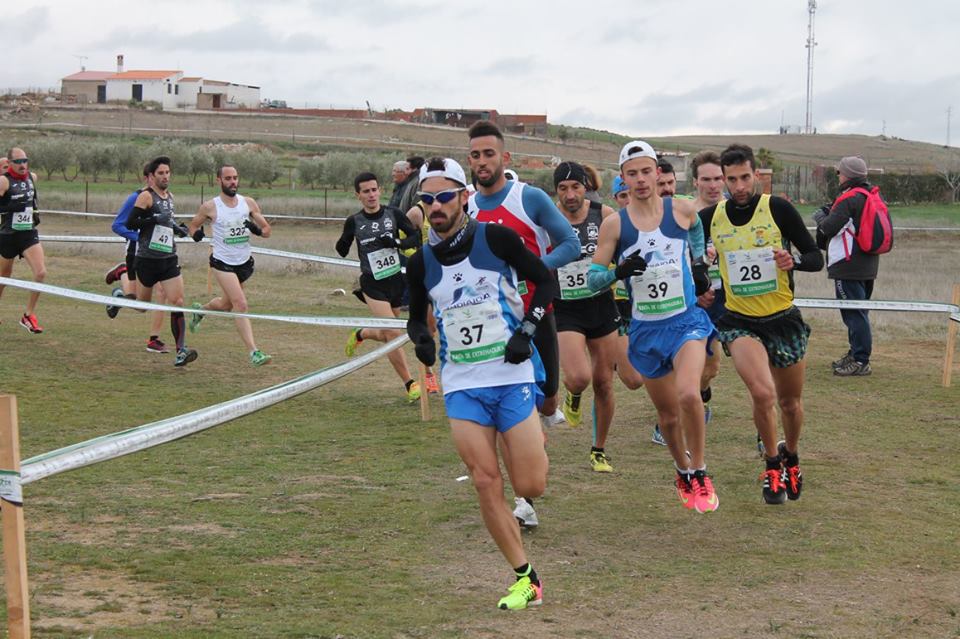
[[11, 510], [951, 341], [424, 395]]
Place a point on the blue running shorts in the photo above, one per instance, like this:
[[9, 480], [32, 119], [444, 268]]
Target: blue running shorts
[[653, 345], [502, 407]]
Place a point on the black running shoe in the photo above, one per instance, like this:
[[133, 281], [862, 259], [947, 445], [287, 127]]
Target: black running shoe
[[185, 356], [792, 477], [774, 490]]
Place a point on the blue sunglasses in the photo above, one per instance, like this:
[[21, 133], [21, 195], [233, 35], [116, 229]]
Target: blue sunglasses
[[440, 196]]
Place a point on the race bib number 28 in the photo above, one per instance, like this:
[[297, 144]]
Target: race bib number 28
[[751, 272]]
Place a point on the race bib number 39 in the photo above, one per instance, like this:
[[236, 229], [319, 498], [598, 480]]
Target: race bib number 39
[[23, 221], [237, 235], [573, 280], [475, 333], [752, 272], [162, 239], [659, 291], [384, 263]]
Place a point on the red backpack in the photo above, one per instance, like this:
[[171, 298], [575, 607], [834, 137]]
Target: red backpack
[[874, 234]]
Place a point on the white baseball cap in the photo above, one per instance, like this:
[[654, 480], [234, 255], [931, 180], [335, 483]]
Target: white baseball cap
[[451, 170], [636, 149]]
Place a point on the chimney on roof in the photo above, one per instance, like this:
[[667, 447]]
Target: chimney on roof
[[120, 63]]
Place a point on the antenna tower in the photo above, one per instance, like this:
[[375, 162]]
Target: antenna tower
[[811, 43]]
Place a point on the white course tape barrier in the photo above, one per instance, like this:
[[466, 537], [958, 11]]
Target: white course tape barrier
[[187, 216], [107, 300], [142, 437], [115, 239], [881, 305]]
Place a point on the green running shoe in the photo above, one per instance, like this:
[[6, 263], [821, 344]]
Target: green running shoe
[[522, 594], [352, 342], [259, 358], [195, 318]]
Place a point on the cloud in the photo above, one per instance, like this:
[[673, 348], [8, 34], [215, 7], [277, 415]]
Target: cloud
[[242, 36], [27, 25]]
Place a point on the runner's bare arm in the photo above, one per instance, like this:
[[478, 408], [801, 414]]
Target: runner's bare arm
[[258, 218], [204, 213]]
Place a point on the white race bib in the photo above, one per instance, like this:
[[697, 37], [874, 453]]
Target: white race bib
[[751, 272], [23, 221], [658, 291], [716, 282], [384, 263], [237, 235], [162, 239], [475, 333], [573, 280]]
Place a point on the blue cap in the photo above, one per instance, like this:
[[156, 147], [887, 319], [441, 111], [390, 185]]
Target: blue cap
[[619, 186]]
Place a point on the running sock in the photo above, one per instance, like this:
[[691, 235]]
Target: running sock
[[153, 337], [359, 335], [791, 459], [575, 401], [686, 472], [706, 394], [177, 327], [594, 449], [529, 501], [526, 570], [130, 296], [407, 383], [773, 463]]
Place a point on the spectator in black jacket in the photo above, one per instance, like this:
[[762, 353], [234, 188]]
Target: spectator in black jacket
[[852, 270]]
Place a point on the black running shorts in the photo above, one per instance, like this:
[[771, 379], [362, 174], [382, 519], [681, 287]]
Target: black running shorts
[[14, 244], [131, 260], [386, 290], [784, 335], [592, 317], [545, 339], [150, 271], [242, 271]]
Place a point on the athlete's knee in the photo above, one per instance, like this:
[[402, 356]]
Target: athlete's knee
[[576, 382], [486, 479], [688, 398], [178, 301], [790, 406], [630, 379], [530, 486], [763, 396], [240, 305], [603, 385], [710, 369], [40, 274]]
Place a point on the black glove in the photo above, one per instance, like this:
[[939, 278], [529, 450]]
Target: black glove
[[631, 265], [180, 230], [821, 214], [253, 228], [519, 348], [426, 350], [387, 241], [198, 236], [701, 279]]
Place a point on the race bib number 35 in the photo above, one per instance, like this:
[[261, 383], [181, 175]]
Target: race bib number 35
[[475, 333], [573, 280], [752, 272], [162, 239], [384, 263], [23, 221]]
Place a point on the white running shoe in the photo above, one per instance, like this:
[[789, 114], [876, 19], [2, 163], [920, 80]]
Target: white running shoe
[[553, 420], [525, 514]]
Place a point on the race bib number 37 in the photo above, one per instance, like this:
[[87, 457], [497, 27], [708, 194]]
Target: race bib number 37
[[752, 272], [384, 263], [475, 333]]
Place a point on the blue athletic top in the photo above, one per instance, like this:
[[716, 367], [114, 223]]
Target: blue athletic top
[[119, 225]]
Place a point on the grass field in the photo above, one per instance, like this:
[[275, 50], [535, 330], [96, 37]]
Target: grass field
[[337, 514]]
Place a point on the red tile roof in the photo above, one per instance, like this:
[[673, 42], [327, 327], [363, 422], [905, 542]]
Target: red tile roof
[[143, 75], [90, 75]]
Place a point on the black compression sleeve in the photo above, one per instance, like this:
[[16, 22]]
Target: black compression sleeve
[[417, 324], [793, 228], [346, 237], [138, 218], [507, 245], [706, 218]]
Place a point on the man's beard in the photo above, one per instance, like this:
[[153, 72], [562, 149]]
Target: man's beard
[[228, 191]]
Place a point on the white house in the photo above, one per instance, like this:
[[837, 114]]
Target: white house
[[145, 86]]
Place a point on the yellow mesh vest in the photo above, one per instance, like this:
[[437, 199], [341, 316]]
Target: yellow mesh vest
[[753, 286]]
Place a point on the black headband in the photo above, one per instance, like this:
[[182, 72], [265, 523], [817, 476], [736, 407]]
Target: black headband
[[569, 171]]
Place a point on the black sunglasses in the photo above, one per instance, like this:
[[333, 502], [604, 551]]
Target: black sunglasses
[[20, 160]]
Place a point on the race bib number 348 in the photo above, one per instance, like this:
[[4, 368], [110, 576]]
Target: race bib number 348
[[384, 263]]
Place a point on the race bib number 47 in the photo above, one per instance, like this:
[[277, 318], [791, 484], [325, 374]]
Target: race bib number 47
[[161, 239], [475, 333], [752, 272]]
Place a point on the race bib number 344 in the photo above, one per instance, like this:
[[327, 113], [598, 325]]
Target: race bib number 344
[[475, 333], [752, 272], [23, 220]]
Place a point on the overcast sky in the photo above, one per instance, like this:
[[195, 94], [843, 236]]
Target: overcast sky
[[644, 68]]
